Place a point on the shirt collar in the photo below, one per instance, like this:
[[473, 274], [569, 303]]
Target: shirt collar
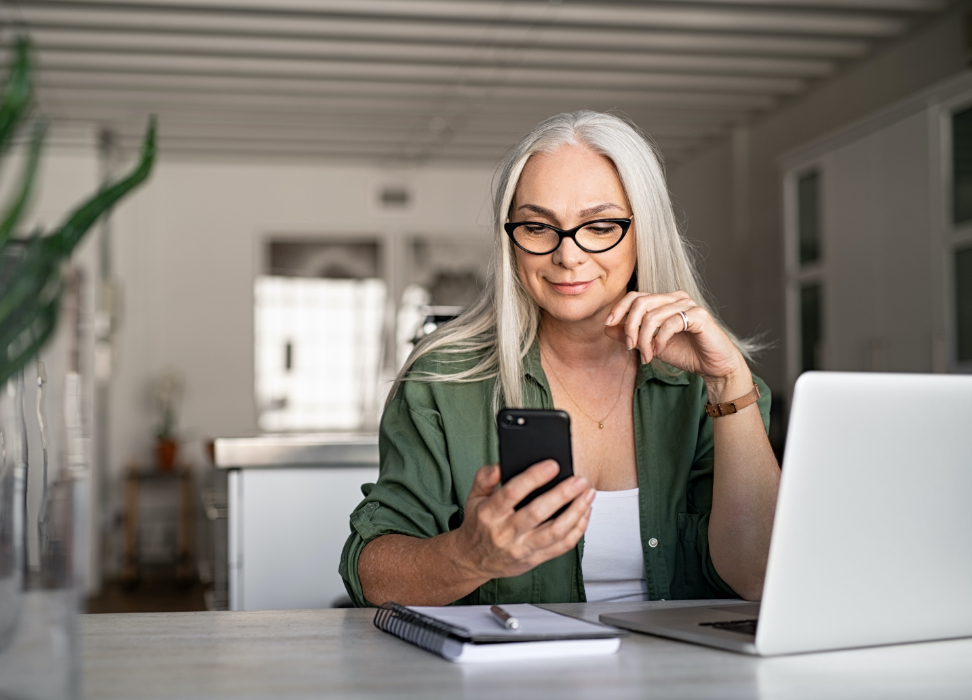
[[656, 369]]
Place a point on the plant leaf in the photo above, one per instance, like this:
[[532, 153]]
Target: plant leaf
[[16, 93], [82, 218], [19, 201]]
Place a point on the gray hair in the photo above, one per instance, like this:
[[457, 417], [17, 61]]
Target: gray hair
[[499, 328]]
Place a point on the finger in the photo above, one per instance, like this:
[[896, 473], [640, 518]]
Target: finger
[[623, 306], [522, 485], [653, 322], [562, 533], [676, 324], [542, 507], [621, 309], [630, 309], [635, 320], [648, 307]]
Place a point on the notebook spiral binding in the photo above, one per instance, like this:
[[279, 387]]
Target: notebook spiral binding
[[420, 630]]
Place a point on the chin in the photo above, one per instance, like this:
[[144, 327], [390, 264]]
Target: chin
[[573, 310]]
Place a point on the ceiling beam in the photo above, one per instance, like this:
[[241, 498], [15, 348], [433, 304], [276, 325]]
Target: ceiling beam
[[377, 31], [61, 41], [270, 87], [696, 17]]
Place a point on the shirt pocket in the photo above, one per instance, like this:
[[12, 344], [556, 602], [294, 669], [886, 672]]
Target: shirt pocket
[[689, 577]]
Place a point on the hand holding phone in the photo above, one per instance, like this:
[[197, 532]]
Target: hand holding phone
[[499, 537]]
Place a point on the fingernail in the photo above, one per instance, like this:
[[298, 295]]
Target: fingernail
[[589, 496], [579, 485], [551, 467], [631, 343], [610, 320], [644, 360]]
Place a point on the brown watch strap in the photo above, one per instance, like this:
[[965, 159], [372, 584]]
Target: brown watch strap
[[729, 407]]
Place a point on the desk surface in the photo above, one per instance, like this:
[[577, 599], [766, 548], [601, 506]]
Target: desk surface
[[339, 653]]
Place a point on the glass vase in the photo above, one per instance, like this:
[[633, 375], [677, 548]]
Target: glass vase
[[40, 602]]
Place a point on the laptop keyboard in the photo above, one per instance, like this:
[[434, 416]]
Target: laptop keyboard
[[740, 626]]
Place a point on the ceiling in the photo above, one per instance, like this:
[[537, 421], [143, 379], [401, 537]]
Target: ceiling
[[404, 81]]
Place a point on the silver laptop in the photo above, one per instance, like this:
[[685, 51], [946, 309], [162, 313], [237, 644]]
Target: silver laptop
[[872, 542]]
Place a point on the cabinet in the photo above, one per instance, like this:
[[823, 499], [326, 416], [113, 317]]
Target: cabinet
[[289, 502]]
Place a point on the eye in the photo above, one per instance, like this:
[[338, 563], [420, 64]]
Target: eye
[[602, 229]]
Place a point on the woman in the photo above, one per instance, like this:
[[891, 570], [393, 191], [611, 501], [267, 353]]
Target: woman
[[593, 307]]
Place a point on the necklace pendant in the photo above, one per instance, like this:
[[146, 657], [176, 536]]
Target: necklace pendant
[[600, 424]]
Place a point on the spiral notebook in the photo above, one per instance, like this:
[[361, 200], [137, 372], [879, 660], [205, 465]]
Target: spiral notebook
[[470, 634]]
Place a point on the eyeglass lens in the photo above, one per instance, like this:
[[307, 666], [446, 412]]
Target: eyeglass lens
[[594, 237]]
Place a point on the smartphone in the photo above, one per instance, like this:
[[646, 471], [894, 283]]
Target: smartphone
[[528, 436]]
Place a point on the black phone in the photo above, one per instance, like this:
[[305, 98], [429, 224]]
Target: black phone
[[531, 435]]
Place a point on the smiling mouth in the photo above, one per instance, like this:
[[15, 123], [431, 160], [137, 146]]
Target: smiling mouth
[[572, 287]]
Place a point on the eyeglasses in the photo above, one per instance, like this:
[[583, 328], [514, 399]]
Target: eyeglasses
[[597, 236]]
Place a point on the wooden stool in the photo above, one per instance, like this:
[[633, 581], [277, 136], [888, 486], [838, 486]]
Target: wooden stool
[[185, 570]]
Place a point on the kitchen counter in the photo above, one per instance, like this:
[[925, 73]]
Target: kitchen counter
[[311, 449]]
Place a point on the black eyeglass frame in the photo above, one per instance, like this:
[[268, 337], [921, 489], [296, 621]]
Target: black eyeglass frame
[[625, 224]]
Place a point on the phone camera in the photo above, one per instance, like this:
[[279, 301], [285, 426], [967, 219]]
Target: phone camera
[[508, 419]]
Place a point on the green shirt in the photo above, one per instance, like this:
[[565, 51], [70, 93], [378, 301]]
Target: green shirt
[[434, 436]]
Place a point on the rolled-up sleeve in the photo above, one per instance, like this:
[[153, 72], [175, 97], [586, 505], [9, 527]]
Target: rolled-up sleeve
[[694, 526], [415, 494]]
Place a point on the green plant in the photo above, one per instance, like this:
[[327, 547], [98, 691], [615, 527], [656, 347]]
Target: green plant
[[168, 392], [30, 267]]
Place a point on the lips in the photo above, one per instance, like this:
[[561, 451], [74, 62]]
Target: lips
[[572, 288]]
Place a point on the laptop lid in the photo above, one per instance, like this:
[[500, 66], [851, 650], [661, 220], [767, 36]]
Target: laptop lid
[[872, 542]]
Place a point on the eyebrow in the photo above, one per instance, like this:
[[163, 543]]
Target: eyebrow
[[590, 211]]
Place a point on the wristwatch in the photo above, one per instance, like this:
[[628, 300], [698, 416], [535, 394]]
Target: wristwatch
[[718, 410]]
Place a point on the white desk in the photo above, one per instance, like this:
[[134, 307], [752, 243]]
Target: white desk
[[339, 653]]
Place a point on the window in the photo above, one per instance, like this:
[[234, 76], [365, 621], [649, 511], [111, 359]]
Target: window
[[808, 216], [963, 304], [805, 271], [811, 326], [962, 166], [318, 334], [958, 238]]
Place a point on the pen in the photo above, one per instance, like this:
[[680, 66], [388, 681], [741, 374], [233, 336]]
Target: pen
[[504, 618]]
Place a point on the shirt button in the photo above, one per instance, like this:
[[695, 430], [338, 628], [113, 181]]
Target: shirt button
[[652, 542]]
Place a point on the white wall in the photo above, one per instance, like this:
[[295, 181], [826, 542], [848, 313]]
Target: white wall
[[746, 274], [188, 246]]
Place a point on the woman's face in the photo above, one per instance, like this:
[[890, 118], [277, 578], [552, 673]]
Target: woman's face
[[565, 188]]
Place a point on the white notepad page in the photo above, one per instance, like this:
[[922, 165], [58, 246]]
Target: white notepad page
[[533, 620]]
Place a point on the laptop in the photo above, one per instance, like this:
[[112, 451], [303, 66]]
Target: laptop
[[872, 541]]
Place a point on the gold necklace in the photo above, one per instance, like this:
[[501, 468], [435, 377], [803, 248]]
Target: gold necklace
[[600, 423]]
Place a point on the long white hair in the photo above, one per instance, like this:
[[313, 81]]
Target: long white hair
[[498, 329]]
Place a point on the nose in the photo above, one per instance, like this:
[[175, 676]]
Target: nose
[[568, 255]]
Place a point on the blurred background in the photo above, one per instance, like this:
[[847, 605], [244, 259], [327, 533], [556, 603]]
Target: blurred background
[[320, 200]]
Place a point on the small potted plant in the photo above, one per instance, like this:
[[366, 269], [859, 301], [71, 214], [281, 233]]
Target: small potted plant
[[168, 393]]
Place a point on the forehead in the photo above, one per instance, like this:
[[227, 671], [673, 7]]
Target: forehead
[[572, 176]]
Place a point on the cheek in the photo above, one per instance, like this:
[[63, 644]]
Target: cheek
[[525, 267], [628, 257]]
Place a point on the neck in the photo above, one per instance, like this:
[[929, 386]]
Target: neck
[[579, 343]]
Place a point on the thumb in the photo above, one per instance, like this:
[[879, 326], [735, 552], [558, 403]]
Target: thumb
[[487, 479], [616, 333]]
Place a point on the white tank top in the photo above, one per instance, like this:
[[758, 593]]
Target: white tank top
[[614, 561]]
